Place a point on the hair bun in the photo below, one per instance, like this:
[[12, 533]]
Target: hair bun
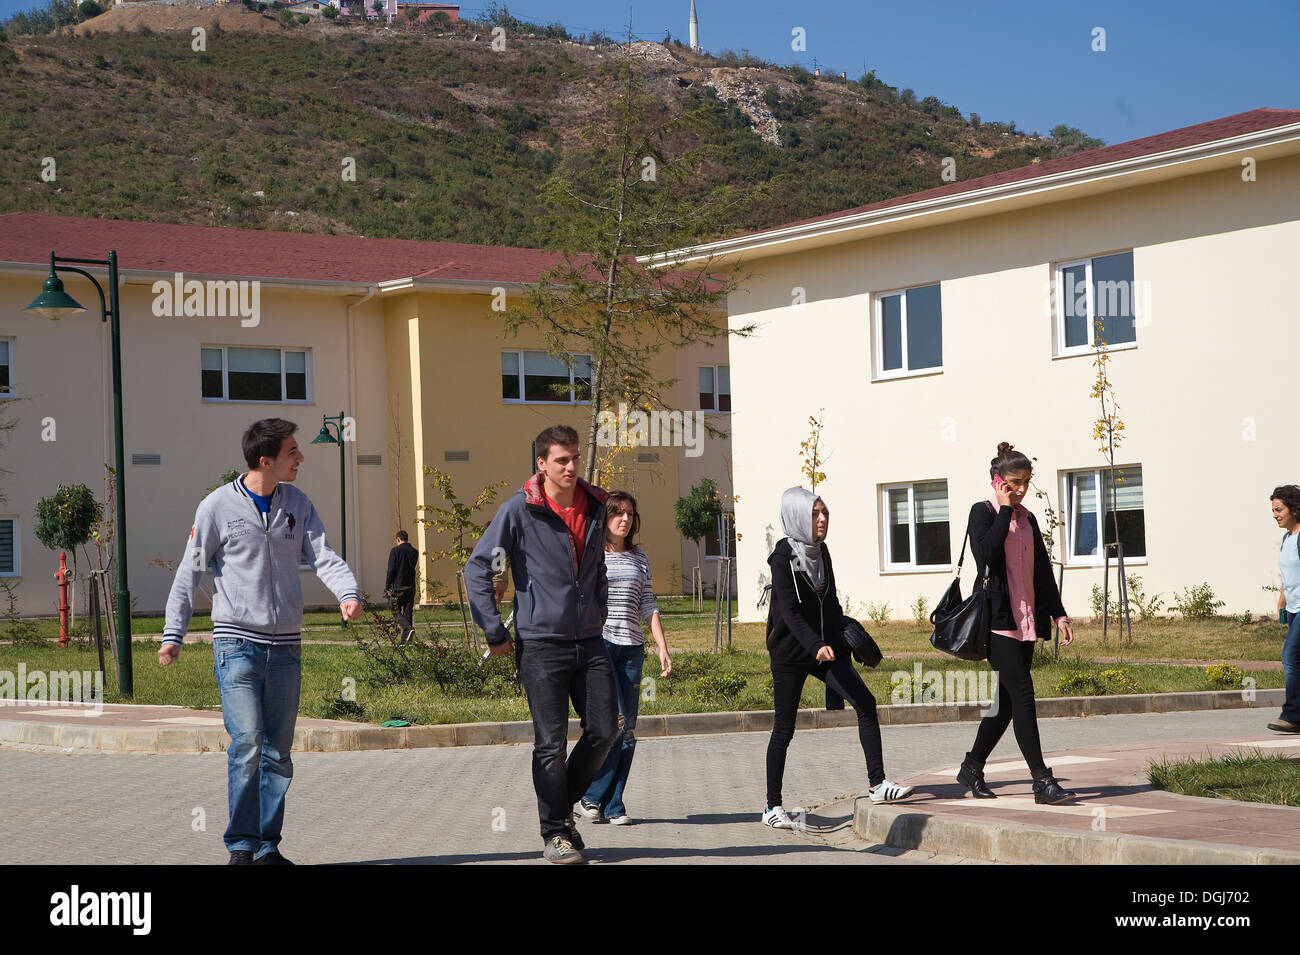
[[1003, 448]]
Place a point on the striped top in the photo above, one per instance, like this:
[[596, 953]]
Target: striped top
[[631, 596]]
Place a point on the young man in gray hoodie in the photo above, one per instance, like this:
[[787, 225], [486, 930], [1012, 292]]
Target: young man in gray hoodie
[[251, 534]]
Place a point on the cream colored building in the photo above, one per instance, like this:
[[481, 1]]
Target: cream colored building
[[933, 326], [398, 336]]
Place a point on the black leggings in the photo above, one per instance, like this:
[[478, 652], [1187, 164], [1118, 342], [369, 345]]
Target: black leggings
[[1012, 659], [787, 688]]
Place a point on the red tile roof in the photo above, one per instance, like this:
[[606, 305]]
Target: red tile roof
[[1256, 120], [27, 237]]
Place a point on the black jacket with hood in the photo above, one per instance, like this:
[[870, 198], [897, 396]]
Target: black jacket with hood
[[988, 539], [799, 622]]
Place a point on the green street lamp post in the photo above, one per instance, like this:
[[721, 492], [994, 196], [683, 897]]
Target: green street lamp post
[[54, 304], [326, 436]]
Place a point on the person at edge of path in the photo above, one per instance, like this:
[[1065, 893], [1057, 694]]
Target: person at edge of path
[[551, 532], [1286, 511], [253, 533], [399, 584], [805, 637], [1023, 601], [631, 600]]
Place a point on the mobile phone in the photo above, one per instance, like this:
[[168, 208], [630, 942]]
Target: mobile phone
[[1281, 616], [997, 479]]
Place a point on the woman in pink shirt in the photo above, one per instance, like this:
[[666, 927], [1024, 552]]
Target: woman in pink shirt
[[1023, 602]]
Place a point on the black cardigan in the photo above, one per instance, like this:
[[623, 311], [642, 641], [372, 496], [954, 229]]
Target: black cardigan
[[988, 538], [798, 621]]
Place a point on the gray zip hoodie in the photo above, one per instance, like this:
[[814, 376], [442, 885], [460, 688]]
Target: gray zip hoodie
[[257, 590]]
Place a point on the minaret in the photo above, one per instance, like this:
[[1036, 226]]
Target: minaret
[[695, 30]]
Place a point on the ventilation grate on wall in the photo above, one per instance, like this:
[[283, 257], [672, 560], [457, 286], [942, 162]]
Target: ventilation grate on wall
[[370, 460], [647, 457], [146, 460], [455, 455]]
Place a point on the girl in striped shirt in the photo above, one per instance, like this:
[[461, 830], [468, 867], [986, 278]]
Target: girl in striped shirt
[[631, 600]]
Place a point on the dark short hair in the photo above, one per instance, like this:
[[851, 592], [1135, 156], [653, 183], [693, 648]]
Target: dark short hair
[[401, 536], [560, 434], [1289, 495], [264, 438], [1008, 459], [618, 502]]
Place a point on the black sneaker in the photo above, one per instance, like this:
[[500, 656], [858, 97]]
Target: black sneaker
[[241, 857], [272, 858], [571, 824]]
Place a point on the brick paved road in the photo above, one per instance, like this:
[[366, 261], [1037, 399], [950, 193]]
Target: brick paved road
[[696, 798]]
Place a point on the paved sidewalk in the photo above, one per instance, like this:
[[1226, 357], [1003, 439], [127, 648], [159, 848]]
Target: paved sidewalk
[[1117, 819]]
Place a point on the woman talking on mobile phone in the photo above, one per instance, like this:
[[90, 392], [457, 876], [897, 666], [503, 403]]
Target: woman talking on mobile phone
[[1023, 600]]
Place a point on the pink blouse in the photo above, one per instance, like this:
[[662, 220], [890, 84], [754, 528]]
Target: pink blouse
[[1020, 573]]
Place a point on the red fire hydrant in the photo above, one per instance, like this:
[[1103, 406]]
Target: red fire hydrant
[[61, 575]]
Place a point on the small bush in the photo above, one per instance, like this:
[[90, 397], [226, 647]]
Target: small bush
[[1081, 684], [718, 689], [689, 665], [304, 18], [878, 613], [921, 611], [337, 708], [1225, 675], [1118, 681], [330, 13], [1197, 603]]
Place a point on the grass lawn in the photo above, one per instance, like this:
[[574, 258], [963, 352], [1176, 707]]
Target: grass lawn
[[736, 680], [1246, 776]]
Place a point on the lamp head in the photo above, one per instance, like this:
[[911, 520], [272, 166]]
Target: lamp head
[[53, 302]]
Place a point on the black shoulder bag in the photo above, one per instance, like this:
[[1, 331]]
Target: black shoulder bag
[[961, 627], [860, 643]]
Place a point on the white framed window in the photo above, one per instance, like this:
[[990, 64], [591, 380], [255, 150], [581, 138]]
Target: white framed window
[[534, 377], [916, 526], [230, 373], [715, 388], [1096, 300], [9, 564], [6, 367], [1088, 514], [909, 332]]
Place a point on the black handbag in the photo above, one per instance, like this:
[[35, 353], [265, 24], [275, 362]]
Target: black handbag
[[961, 627], [864, 648]]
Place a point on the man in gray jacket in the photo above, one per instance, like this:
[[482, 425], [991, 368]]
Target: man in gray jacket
[[251, 534], [552, 533]]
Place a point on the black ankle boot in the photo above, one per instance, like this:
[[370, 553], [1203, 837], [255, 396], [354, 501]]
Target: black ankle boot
[[971, 775], [1047, 791]]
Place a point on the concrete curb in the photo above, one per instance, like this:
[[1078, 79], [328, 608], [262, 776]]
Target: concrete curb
[[312, 739], [1021, 844]]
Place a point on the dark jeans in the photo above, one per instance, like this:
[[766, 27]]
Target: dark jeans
[[1012, 659], [403, 604], [787, 688], [553, 671], [1291, 667]]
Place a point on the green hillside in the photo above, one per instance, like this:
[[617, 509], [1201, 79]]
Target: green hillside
[[451, 139]]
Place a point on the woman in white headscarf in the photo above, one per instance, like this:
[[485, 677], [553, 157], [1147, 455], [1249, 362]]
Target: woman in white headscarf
[[805, 638]]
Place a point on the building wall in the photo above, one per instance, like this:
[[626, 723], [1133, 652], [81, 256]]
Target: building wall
[[1206, 394]]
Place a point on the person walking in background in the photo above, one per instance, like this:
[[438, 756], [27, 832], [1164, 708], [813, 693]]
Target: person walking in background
[[551, 533], [399, 584], [1286, 511], [805, 637], [631, 600], [254, 532], [1023, 601]]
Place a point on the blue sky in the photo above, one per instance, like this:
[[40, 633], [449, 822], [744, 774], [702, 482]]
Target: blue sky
[[1167, 64]]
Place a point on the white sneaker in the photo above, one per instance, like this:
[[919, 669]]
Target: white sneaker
[[777, 818], [890, 792], [623, 820]]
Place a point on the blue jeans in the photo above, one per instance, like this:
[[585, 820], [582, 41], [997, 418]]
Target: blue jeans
[[607, 789], [554, 671], [259, 687], [1291, 667]]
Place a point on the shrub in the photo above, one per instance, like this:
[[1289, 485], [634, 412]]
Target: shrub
[[921, 610], [285, 17], [878, 613], [1081, 684], [337, 708], [718, 689], [304, 18], [89, 8], [1146, 608], [330, 13], [1197, 603], [1118, 680], [690, 665], [1225, 675]]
